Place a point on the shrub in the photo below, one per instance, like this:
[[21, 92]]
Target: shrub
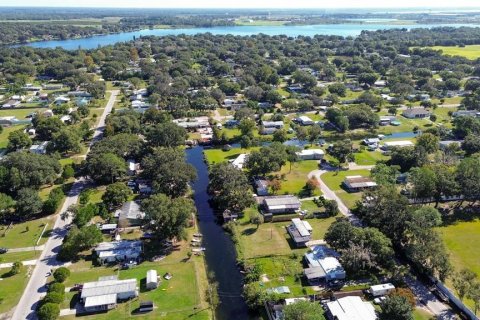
[[16, 267], [48, 311], [54, 199], [53, 297], [56, 287], [68, 171], [61, 274]]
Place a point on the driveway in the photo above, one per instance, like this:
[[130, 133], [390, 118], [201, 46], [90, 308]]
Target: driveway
[[48, 259]]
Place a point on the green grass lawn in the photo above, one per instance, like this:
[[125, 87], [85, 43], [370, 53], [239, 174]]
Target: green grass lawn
[[20, 114], [218, 155], [11, 288], [25, 234], [470, 52], [334, 182], [420, 314], [296, 178], [462, 239], [366, 157], [4, 135], [19, 256]]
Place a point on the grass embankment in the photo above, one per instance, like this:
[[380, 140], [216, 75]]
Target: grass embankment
[[471, 52]]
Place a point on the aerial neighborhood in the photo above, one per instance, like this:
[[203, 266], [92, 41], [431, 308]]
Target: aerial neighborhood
[[209, 176]]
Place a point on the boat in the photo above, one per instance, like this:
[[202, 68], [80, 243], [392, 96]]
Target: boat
[[196, 240], [198, 235], [198, 249]]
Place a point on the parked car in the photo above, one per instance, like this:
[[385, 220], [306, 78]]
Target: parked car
[[77, 287], [3, 250], [128, 265]]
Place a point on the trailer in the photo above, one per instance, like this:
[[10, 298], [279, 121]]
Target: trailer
[[381, 289]]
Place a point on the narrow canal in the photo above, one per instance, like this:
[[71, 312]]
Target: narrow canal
[[220, 252]]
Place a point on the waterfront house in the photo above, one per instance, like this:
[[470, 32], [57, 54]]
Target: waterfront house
[[281, 204], [388, 145], [130, 214], [117, 251], [311, 154], [323, 265], [300, 232]]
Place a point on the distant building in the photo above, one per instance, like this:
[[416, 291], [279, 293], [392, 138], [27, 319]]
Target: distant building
[[273, 124], [281, 204], [130, 214], [261, 186], [195, 123], [304, 121], [446, 143], [311, 154], [11, 104], [8, 121], [350, 308], [39, 148], [416, 113], [104, 295], [388, 145], [61, 100], [358, 183], [466, 113], [300, 231], [117, 251]]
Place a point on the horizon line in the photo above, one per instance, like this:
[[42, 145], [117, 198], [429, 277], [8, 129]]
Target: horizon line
[[456, 8]]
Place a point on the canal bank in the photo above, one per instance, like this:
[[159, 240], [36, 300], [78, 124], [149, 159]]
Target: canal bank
[[220, 253]]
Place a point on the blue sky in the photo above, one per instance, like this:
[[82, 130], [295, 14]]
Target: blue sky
[[245, 3]]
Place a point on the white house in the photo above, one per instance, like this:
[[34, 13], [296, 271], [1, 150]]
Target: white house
[[387, 145], [115, 251], [103, 295], [325, 259], [381, 289], [304, 121], [311, 154], [351, 308], [300, 232]]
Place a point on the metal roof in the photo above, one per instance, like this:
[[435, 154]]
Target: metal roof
[[351, 308], [100, 300], [314, 273], [281, 201], [354, 182], [108, 287]]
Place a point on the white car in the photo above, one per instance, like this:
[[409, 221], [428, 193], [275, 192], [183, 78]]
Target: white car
[[379, 300]]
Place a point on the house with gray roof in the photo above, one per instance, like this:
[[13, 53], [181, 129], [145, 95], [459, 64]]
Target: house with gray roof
[[103, 295], [117, 251], [281, 204], [130, 214]]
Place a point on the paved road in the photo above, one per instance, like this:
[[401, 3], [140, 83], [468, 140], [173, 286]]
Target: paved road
[[36, 286]]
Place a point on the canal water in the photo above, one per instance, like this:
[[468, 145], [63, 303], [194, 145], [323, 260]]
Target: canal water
[[220, 252]]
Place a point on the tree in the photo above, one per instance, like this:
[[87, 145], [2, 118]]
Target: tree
[[303, 310], [254, 296], [170, 173], [46, 127], [16, 268], [367, 78], [18, 139], [341, 150], [384, 174], [167, 218], [28, 203], [280, 135], [314, 133], [167, 135], [462, 282], [471, 144], [468, 175], [474, 295], [6, 205], [56, 287], [256, 218], [54, 297], [78, 240], [48, 311], [246, 127], [338, 88], [106, 167], [267, 159], [244, 113], [65, 140], [396, 307], [423, 180], [116, 194], [302, 133], [428, 142], [230, 188], [61, 274]]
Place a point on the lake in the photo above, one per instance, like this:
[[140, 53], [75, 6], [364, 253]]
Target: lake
[[292, 31]]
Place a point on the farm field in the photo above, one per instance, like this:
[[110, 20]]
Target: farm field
[[470, 52]]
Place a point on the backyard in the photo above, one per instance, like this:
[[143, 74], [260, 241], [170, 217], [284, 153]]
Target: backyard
[[334, 179]]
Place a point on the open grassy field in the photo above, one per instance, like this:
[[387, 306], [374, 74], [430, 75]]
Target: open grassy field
[[11, 288], [4, 135], [470, 52], [25, 234], [366, 157], [296, 178], [20, 114], [19, 256], [462, 239], [334, 182]]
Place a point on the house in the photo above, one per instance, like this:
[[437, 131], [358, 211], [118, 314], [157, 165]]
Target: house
[[350, 308], [39, 148], [108, 227], [380, 83], [195, 123], [381, 289], [61, 100], [371, 141], [386, 120], [416, 113], [229, 215], [323, 265], [304, 121], [133, 167], [266, 131], [466, 113], [130, 214], [358, 183], [300, 231], [17, 97], [281, 204], [273, 124], [66, 119], [311, 154], [11, 104], [151, 281], [239, 161], [261, 186], [79, 93], [52, 86], [446, 143], [117, 251], [8, 121], [388, 145], [104, 295]]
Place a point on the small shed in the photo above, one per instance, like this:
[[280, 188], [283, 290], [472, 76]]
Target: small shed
[[152, 280]]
